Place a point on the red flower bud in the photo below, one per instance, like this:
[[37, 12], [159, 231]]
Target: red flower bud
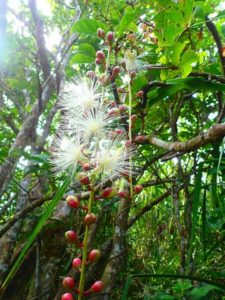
[[76, 263], [68, 283], [108, 193], [139, 94], [94, 255], [97, 287], [138, 189], [67, 296], [98, 61], [110, 37], [128, 144], [115, 71], [87, 166], [89, 219], [114, 111], [132, 74], [101, 55], [83, 178], [71, 236], [139, 139], [73, 201], [123, 108], [101, 33], [123, 194]]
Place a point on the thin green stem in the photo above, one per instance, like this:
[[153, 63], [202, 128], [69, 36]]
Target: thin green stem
[[85, 248], [130, 138]]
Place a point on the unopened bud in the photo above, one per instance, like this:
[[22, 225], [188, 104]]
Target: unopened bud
[[101, 33], [101, 55], [138, 189], [140, 94], [97, 287], [94, 255], [108, 193], [89, 219], [76, 263], [83, 178], [110, 37], [71, 236], [73, 201], [139, 139]]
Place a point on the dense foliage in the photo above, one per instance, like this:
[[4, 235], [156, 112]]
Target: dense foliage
[[168, 241]]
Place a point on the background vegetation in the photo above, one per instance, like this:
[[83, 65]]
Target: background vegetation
[[173, 233]]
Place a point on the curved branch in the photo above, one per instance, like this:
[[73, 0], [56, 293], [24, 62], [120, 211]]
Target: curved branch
[[213, 134]]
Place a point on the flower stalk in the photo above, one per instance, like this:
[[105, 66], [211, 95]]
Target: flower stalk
[[130, 138], [85, 248]]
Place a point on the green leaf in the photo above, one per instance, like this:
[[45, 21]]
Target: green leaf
[[85, 54], [187, 59], [129, 17], [202, 291], [48, 212], [190, 83], [88, 26]]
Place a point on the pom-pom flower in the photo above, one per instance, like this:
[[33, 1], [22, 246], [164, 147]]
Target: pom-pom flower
[[93, 123], [112, 159], [85, 93], [67, 152]]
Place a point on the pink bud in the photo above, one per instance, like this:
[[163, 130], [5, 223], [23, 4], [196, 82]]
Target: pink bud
[[94, 255], [71, 236], [98, 61], [101, 55], [89, 219], [119, 131], [76, 263], [67, 296], [138, 189], [114, 112], [87, 166], [128, 144], [123, 108], [97, 287], [108, 193], [110, 37], [132, 74], [68, 283], [123, 194], [101, 33], [115, 71], [139, 139], [83, 178], [140, 94], [73, 201]]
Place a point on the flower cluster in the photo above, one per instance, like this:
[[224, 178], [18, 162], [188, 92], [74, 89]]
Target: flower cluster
[[89, 133]]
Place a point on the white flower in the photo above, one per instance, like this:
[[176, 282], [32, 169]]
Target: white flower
[[133, 61], [83, 94], [67, 152], [92, 123], [112, 159]]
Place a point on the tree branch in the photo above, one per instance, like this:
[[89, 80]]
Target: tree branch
[[213, 134]]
